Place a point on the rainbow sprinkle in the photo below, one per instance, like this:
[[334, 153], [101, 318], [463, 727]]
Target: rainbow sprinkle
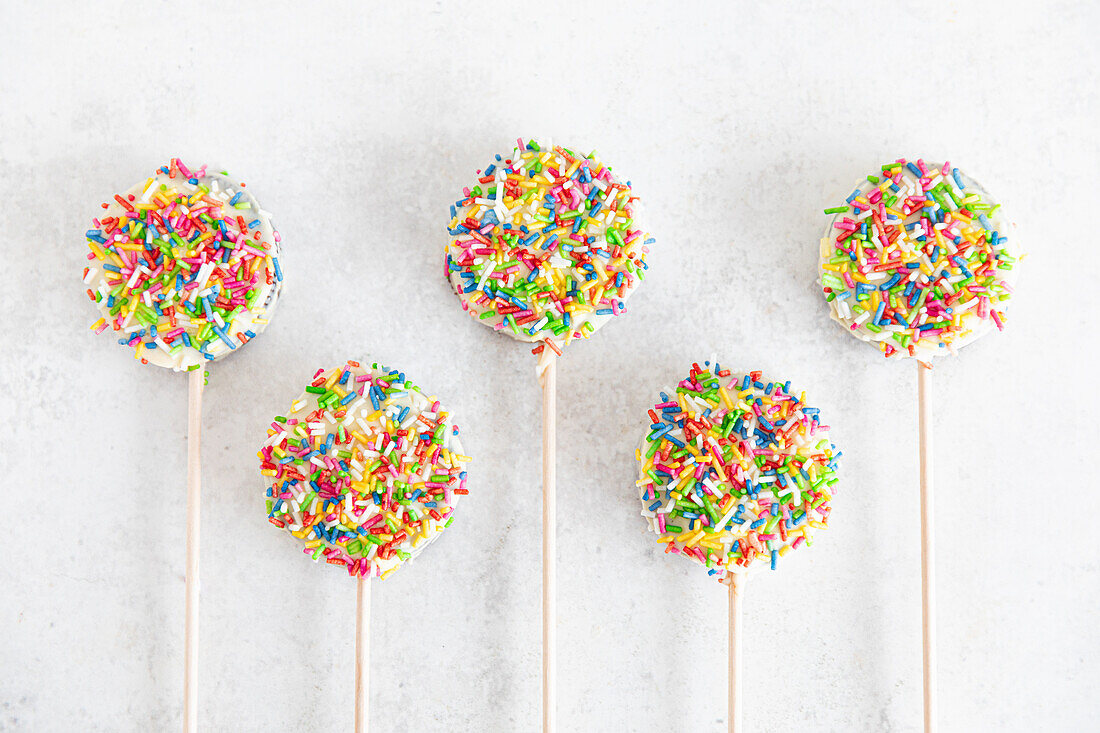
[[184, 266], [364, 468], [917, 261], [735, 472], [545, 246]]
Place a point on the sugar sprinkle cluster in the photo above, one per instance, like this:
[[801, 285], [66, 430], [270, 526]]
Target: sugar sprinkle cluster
[[365, 469], [184, 267], [917, 260], [545, 247], [735, 472]]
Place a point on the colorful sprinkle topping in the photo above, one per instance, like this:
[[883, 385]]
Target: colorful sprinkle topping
[[364, 468], [545, 246], [917, 261], [184, 267], [735, 471]]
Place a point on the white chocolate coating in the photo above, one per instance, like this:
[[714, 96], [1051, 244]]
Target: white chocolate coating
[[956, 240], [251, 266]]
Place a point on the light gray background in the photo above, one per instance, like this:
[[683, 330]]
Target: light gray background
[[357, 127]]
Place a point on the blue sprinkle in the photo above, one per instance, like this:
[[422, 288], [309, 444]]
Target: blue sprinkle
[[878, 313]]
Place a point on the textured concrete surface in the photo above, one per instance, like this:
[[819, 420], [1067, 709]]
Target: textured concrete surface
[[357, 127]]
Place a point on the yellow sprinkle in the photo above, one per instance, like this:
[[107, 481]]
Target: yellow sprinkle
[[98, 251], [695, 537], [718, 469]]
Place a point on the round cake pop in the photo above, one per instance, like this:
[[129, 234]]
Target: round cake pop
[[545, 246], [364, 468], [735, 472], [184, 266], [918, 260]]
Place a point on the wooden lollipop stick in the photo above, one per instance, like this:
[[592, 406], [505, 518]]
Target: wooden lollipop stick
[[548, 377], [362, 655], [737, 594], [927, 543], [194, 494]]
